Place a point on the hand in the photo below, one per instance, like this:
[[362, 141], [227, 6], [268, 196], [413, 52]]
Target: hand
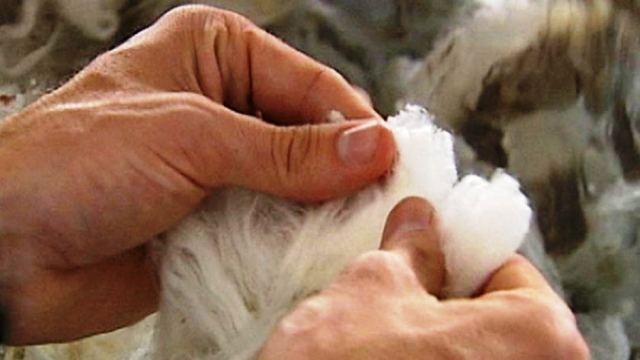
[[130, 146], [384, 305]]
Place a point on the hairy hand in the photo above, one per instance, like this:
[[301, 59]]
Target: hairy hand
[[133, 143], [384, 305]]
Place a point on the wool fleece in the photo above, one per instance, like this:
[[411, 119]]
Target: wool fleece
[[232, 270]]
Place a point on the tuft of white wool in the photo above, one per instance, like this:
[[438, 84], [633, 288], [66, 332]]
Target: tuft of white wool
[[233, 269]]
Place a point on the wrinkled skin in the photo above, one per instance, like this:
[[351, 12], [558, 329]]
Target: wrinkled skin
[[132, 144], [95, 170], [385, 305]]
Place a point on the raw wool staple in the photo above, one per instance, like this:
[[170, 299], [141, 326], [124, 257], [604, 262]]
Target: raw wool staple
[[232, 270], [39, 38], [96, 19]]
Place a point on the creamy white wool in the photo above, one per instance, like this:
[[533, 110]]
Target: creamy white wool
[[231, 271]]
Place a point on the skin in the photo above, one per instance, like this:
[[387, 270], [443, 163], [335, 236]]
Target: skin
[[92, 172], [385, 305], [131, 145]]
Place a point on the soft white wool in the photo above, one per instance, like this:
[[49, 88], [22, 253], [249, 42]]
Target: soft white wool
[[231, 271]]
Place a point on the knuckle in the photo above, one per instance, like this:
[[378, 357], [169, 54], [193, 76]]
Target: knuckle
[[292, 149], [370, 263], [556, 325], [578, 349], [377, 267], [327, 73], [181, 13], [179, 106], [189, 20], [195, 15], [309, 326], [233, 19], [326, 77], [546, 311], [570, 342], [304, 319], [192, 101]]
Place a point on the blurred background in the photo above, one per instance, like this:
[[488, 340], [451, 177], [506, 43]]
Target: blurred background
[[547, 89]]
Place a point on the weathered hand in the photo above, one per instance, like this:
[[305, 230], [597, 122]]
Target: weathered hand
[[132, 144], [384, 306]]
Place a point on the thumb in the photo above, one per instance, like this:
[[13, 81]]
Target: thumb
[[310, 162], [411, 232]]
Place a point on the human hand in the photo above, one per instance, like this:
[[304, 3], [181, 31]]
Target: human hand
[[384, 305], [132, 144]]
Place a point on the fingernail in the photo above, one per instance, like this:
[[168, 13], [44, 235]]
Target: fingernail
[[358, 145], [416, 216]]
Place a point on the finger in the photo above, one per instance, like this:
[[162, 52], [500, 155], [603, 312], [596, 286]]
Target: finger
[[213, 146], [363, 94], [305, 91], [516, 273], [411, 232], [311, 162], [170, 150], [258, 70], [224, 56]]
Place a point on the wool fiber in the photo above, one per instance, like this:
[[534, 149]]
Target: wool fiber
[[233, 269]]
